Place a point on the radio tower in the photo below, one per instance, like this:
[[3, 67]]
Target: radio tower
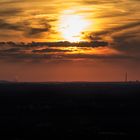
[[16, 79], [126, 77]]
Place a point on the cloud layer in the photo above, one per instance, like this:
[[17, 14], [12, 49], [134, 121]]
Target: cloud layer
[[115, 24]]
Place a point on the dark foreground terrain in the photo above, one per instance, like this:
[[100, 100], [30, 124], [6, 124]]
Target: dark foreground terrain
[[66, 110]]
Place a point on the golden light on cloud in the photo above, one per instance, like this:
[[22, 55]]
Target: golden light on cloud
[[71, 27]]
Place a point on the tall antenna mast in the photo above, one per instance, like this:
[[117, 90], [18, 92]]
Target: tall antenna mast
[[126, 77], [16, 79]]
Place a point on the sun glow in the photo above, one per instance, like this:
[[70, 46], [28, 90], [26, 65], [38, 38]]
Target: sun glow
[[72, 26]]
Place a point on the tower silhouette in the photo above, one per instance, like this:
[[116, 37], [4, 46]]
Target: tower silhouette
[[16, 79], [126, 77]]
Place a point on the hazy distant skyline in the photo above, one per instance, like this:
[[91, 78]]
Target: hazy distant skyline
[[114, 22]]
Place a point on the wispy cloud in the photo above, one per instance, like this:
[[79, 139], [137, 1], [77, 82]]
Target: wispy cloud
[[117, 27]]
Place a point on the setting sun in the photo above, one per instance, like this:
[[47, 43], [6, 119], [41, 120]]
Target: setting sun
[[72, 26]]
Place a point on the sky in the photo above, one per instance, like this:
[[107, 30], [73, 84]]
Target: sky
[[69, 40]]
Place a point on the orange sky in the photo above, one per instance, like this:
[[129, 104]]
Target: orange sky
[[114, 23]]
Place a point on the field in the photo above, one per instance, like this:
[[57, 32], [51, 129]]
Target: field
[[41, 110]]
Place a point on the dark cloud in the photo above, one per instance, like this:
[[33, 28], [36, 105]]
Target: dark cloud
[[10, 12], [66, 44], [101, 1], [98, 56], [114, 14], [35, 32], [11, 50], [25, 28], [118, 34], [115, 29], [128, 42], [50, 50], [123, 38], [38, 52], [9, 26], [10, 1], [23, 57], [92, 44], [109, 2]]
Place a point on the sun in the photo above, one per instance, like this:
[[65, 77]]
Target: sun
[[72, 26]]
